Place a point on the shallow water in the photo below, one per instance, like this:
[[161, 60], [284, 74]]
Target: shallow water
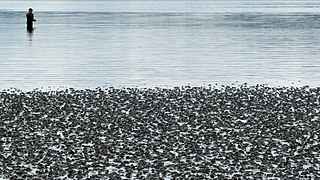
[[159, 43]]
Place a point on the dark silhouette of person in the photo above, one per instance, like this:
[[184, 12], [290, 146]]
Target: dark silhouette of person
[[30, 20]]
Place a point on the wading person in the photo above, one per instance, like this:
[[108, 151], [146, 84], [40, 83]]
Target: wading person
[[30, 19]]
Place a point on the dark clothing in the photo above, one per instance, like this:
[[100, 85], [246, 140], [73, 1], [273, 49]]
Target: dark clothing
[[30, 19]]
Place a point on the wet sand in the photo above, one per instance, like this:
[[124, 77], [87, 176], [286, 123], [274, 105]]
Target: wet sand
[[188, 132]]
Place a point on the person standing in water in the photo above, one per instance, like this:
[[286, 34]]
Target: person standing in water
[[30, 19]]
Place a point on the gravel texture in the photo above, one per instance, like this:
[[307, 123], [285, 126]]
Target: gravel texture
[[189, 132]]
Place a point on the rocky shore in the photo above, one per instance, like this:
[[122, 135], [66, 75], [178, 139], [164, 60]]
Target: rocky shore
[[180, 133]]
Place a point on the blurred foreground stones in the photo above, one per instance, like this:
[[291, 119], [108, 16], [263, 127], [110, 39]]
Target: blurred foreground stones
[[188, 132]]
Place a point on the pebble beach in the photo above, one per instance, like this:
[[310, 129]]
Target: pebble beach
[[209, 132]]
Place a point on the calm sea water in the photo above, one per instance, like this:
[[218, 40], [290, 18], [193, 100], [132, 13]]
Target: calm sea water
[[85, 44]]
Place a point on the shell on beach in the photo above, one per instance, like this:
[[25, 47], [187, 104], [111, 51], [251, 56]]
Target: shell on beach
[[188, 132]]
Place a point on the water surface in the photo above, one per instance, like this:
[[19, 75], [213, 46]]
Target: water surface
[[85, 44]]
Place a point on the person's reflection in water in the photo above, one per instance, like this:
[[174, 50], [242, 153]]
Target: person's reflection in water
[[30, 20], [30, 34]]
